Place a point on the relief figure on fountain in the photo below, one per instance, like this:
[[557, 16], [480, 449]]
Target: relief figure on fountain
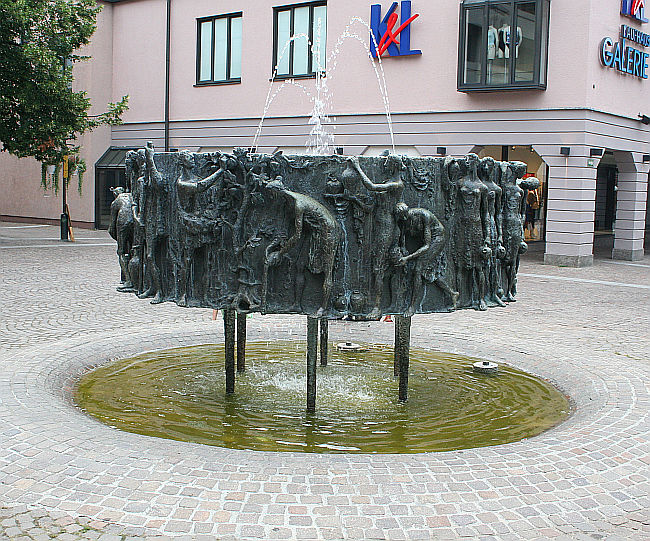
[[490, 175], [155, 212], [471, 234], [427, 263], [513, 228], [385, 232], [316, 227]]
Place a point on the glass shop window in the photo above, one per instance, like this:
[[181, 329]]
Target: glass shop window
[[300, 36], [503, 44], [219, 43]]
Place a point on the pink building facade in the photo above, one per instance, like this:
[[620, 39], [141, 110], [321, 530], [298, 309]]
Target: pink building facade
[[537, 81]]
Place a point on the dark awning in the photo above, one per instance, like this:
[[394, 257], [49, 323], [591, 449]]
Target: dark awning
[[113, 157]]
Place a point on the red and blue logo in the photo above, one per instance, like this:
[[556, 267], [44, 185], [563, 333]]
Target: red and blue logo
[[634, 9], [385, 35]]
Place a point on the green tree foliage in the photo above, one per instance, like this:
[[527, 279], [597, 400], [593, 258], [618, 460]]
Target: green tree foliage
[[40, 114]]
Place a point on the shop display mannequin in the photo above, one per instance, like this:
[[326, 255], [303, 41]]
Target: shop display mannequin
[[492, 45], [504, 45], [504, 41]]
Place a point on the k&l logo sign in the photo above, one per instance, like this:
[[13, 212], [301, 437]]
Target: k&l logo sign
[[634, 9], [386, 35]]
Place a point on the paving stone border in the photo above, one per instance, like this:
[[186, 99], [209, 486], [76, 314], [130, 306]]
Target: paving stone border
[[161, 486]]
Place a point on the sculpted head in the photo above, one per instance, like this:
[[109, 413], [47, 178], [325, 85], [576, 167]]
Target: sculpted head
[[472, 161], [141, 159], [186, 159], [394, 163], [519, 169], [117, 191], [486, 166], [461, 167], [401, 211]]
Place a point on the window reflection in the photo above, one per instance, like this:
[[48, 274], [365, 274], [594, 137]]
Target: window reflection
[[300, 40], [525, 47], [498, 45], [474, 33]]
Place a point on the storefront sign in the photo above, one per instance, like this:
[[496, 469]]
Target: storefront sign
[[384, 34], [623, 57], [634, 9]]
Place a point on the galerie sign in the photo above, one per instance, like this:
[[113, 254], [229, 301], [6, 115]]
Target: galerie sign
[[622, 55]]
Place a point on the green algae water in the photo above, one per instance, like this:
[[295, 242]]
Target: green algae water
[[179, 394]]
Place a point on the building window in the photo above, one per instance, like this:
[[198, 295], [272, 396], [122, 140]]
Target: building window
[[218, 58], [296, 28], [503, 44]]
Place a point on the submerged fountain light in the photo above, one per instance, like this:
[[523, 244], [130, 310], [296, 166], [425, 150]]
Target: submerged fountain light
[[485, 367], [350, 346]]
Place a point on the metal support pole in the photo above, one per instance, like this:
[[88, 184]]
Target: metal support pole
[[65, 217], [397, 321], [402, 347], [312, 353], [324, 337], [229, 338], [167, 70], [241, 342]]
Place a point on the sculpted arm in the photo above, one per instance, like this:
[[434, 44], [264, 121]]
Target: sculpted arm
[[369, 184], [137, 205], [485, 215], [422, 249], [204, 184], [498, 215], [154, 174]]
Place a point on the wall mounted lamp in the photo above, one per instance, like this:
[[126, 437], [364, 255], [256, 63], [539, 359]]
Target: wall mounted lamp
[[565, 151]]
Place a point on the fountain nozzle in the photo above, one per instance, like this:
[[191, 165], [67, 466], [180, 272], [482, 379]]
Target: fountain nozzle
[[485, 367]]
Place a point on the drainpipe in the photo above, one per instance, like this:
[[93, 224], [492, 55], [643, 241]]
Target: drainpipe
[[167, 55]]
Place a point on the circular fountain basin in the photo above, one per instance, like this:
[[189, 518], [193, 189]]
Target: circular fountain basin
[[179, 394]]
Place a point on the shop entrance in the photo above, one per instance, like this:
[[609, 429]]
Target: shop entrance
[[606, 180], [535, 212]]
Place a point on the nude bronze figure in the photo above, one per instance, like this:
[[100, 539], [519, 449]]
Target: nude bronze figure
[[385, 230], [314, 221], [428, 260]]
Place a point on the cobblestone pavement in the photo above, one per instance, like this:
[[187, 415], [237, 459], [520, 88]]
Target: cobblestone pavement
[[63, 475]]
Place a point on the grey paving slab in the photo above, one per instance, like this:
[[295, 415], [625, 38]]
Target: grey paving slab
[[65, 476]]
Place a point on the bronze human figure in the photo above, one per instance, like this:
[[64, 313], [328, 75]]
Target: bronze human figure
[[489, 174], [192, 223], [156, 230], [121, 229], [472, 230], [385, 231], [136, 173], [323, 236], [513, 228], [428, 259]]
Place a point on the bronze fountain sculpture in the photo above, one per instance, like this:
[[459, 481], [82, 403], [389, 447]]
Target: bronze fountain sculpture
[[325, 236]]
